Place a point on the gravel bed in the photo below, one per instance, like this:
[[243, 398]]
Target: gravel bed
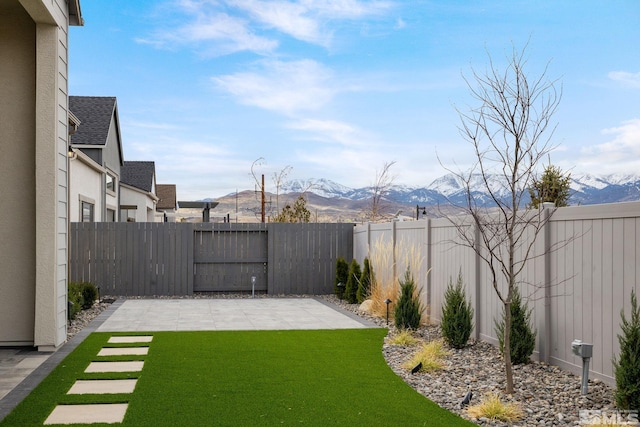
[[548, 395], [84, 317]]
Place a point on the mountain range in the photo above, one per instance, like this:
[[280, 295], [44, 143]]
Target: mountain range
[[586, 189], [329, 201]]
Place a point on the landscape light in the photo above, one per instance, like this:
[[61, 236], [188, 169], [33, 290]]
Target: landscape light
[[253, 286], [387, 301]]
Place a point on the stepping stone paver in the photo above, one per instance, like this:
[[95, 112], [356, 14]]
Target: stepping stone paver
[[133, 366], [87, 414], [103, 386], [131, 339], [123, 351]]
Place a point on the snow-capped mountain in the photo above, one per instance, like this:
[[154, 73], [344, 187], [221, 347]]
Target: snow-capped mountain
[[586, 189], [591, 189], [321, 187]]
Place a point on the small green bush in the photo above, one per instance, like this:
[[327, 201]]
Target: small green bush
[[342, 274], [408, 310], [81, 295], [353, 281], [457, 315], [74, 294], [364, 287], [627, 367], [89, 294], [523, 337]]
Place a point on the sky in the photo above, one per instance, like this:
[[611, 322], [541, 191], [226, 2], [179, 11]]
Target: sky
[[334, 89]]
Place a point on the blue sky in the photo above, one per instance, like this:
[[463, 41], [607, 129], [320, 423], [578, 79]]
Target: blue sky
[[336, 88]]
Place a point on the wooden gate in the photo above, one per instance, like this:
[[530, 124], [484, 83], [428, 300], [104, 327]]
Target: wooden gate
[[227, 256]]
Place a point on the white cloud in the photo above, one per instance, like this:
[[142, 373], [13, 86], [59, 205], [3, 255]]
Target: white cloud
[[210, 31], [308, 20], [626, 78], [621, 153], [331, 131], [284, 87], [223, 27], [289, 18]]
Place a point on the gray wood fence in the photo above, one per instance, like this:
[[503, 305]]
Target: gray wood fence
[[146, 259], [586, 263]]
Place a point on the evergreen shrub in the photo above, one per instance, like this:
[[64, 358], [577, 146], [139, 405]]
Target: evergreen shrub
[[342, 274], [76, 300], [353, 281], [89, 294], [523, 337], [81, 295], [408, 310], [457, 315], [627, 366]]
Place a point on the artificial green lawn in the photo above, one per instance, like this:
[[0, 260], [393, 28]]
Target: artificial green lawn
[[320, 378]]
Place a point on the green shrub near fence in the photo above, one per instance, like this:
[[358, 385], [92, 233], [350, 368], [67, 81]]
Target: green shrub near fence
[[81, 296], [457, 315], [408, 310]]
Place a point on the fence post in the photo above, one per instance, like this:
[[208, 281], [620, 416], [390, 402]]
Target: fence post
[[545, 339], [393, 246], [427, 225], [368, 239], [478, 280]]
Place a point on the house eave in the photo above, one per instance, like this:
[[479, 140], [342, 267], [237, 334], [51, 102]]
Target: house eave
[[139, 190], [77, 154], [75, 14]]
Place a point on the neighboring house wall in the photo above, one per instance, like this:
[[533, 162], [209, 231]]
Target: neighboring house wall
[[111, 190], [136, 205], [33, 172], [112, 161], [87, 186]]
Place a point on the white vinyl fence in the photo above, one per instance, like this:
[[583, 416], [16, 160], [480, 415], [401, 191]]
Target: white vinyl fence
[[586, 262]]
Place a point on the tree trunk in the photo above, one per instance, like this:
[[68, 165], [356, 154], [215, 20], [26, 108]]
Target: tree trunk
[[507, 348]]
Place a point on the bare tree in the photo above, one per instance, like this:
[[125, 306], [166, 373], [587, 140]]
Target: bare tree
[[257, 163], [380, 188], [510, 132], [278, 180], [259, 184]]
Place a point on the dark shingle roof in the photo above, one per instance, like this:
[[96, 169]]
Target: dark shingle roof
[[95, 114], [138, 174], [167, 195]]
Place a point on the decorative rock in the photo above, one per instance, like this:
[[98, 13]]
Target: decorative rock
[[366, 306]]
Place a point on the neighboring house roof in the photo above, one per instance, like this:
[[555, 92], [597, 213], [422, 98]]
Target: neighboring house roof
[[167, 195], [138, 174], [95, 113]]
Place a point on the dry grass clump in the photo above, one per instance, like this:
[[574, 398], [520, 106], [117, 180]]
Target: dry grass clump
[[403, 337], [388, 264], [493, 408], [383, 286], [431, 355]]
